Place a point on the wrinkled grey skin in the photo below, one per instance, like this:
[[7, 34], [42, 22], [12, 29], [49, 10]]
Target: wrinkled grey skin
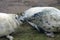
[[45, 18], [8, 24]]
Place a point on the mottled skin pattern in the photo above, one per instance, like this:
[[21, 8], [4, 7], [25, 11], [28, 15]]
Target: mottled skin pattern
[[47, 21], [47, 18]]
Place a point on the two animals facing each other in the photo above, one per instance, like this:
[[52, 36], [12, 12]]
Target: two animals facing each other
[[45, 19], [8, 24]]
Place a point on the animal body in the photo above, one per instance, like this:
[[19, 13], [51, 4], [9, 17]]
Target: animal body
[[8, 24], [46, 19]]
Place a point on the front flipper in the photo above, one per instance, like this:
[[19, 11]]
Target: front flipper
[[40, 29], [34, 26]]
